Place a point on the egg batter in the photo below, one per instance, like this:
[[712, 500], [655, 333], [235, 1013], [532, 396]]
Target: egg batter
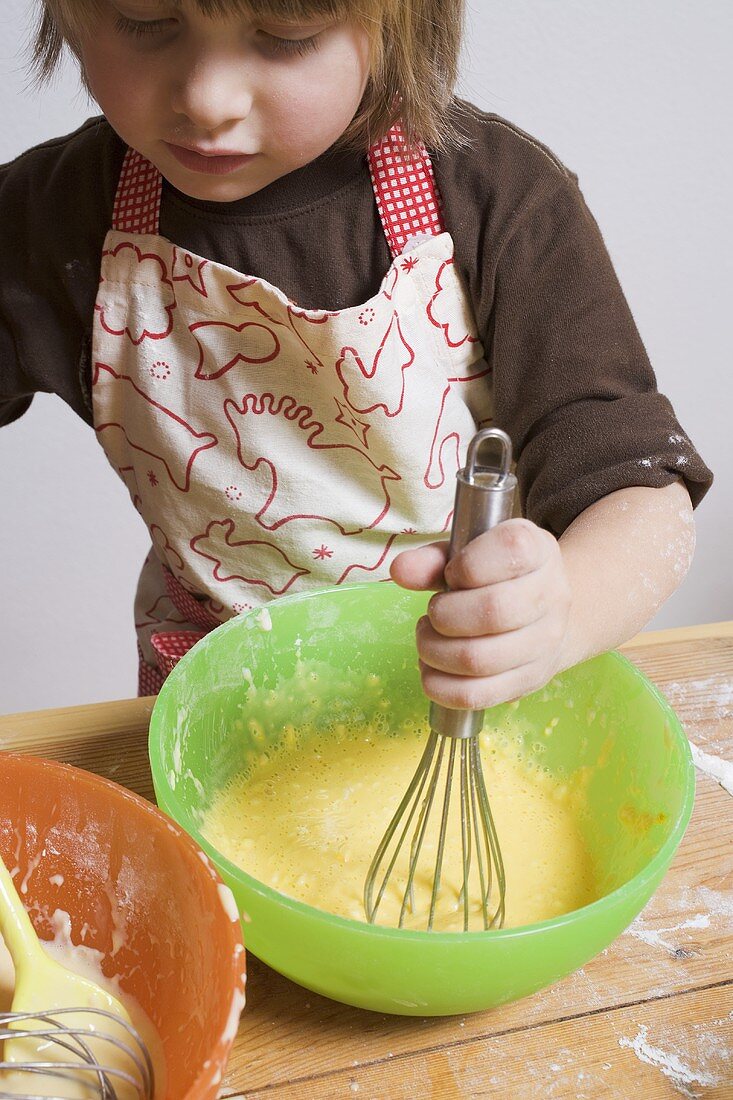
[[86, 962], [306, 817]]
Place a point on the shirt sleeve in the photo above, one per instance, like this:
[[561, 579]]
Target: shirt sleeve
[[55, 207], [16, 392], [573, 385]]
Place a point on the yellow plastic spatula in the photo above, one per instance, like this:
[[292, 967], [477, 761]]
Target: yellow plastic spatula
[[85, 1036]]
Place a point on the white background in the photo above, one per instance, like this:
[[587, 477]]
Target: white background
[[634, 95]]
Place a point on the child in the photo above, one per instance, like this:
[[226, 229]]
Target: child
[[286, 277]]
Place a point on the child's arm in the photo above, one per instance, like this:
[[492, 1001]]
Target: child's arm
[[525, 606]]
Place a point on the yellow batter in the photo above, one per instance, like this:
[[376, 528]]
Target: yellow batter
[[307, 817]]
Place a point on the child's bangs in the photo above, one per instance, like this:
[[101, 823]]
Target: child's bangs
[[287, 10], [366, 12], [79, 15]]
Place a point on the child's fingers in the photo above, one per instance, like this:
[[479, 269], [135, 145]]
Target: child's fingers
[[509, 550], [421, 569], [475, 693], [496, 608], [486, 656]]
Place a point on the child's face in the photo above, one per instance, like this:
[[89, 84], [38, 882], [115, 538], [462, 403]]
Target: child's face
[[264, 97]]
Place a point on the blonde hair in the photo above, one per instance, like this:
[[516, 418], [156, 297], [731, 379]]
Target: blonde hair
[[414, 57]]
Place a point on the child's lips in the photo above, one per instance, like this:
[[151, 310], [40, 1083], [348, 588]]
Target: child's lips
[[214, 162]]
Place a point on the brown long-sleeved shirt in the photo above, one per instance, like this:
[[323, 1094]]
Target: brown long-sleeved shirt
[[572, 382]]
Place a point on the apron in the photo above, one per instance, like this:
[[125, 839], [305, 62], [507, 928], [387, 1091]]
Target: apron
[[272, 449]]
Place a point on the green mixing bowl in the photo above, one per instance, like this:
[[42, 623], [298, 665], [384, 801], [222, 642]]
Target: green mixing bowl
[[348, 654]]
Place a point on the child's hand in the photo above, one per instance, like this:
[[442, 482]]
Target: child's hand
[[498, 633]]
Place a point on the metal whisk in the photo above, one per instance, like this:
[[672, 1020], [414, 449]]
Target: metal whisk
[[76, 1056], [484, 497]]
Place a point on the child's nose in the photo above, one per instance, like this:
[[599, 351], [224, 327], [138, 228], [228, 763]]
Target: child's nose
[[213, 92]]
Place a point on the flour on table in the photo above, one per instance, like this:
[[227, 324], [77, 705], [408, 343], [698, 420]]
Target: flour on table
[[702, 706], [685, 1068], [715, 766]]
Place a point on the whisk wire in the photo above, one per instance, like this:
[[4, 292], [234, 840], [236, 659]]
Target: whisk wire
[[463, 897], [75, 1040], [413, 792], [43, 1070], [480, 851], [442, 835], [484, 873], [62, 1071], [419, 836], [479, 841], [490, 834]]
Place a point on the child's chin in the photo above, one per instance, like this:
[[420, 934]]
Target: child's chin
[[210, 188]]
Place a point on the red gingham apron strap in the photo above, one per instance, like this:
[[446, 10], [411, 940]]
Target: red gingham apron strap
[[171, 645], [137, 202], [405, 190], [187, 604], [150, 679], [168, 646]]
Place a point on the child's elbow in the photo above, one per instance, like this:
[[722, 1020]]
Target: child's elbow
[[682, 530]]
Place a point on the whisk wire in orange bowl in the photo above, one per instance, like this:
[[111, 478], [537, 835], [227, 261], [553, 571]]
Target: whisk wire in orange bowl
[[80, 1059], [599, 739]]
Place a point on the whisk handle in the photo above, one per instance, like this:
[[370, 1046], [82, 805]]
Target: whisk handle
[[484, 497]]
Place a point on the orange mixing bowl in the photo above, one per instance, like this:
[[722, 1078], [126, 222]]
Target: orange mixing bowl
[[139, 890]]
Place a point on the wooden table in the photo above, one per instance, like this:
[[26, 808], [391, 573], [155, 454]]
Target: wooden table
[[651, 1016]]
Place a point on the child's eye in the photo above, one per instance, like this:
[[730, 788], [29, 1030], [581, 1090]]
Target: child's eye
[[290, 46], [140, 28]]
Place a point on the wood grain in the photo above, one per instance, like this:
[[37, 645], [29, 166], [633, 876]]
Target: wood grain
[[657, 1002], [658, 1051], [676, 634], [89, 737]]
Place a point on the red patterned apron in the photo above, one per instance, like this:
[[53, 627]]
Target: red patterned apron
[[272, 449]]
